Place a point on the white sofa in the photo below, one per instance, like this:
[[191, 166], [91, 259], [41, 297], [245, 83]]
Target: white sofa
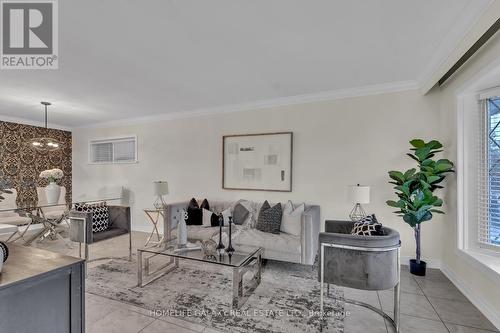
[[284, 247]]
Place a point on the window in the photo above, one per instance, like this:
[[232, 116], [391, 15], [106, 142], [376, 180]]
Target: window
[[489, 172], [116, 150]]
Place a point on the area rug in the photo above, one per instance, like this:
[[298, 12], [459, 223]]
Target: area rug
[[287, 300]]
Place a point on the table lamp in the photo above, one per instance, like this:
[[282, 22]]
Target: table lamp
[[359, 195], [160, 189]]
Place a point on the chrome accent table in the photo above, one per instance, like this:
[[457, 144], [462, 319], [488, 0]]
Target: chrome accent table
[[154, 217], [240, 262]]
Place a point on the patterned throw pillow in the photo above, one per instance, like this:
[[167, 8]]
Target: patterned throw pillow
[[100, 215], [368, 226], [270, 218]]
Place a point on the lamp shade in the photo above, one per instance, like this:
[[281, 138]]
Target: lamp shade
[[359, 194], [161, 187]]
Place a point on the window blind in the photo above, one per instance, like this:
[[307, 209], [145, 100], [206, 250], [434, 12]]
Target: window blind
[[118, 150], [489, 172]]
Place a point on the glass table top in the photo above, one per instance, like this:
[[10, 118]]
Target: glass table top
[[236, 259], [62, 205]]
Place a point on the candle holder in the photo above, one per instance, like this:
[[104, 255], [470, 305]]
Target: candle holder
[[221, 246], [230, 248]]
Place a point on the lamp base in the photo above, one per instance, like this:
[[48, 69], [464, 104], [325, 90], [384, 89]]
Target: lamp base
[[357, 213], [159, 202]]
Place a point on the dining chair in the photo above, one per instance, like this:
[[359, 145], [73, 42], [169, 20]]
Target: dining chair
[[9, 215]]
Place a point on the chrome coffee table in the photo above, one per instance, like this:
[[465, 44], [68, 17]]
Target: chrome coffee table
[[240, 262]]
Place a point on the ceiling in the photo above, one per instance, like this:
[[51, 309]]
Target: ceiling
[[128, 59]]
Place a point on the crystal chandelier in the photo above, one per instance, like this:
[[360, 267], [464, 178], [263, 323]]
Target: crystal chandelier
[[45, 144]]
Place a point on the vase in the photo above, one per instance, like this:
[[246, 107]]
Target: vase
[[181, 233], [52, 192]]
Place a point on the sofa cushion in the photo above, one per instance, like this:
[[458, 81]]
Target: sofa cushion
[[194, 213], [279, 243], [198, 232], [107, 234], [270, 218]]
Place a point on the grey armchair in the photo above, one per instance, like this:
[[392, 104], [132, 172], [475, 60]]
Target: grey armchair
[[81, 228], [360, 262]]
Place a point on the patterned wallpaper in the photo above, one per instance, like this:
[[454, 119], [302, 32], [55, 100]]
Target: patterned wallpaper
[[20, 165]]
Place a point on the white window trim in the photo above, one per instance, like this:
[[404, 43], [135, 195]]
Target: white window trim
[[483, 258], [112, 138]]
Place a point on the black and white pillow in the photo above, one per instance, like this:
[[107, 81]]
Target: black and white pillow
[[368, 226], [100, 215], [270, 218]]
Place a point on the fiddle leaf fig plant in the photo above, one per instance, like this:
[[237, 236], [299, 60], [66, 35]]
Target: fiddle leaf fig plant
[[414, 188]]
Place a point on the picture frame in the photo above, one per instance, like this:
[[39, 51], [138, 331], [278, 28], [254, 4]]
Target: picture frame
[[258, 162]]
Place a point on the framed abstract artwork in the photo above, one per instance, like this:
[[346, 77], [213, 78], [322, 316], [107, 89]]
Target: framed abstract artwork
[[260, 162]]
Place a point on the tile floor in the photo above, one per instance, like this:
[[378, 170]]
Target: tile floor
[[430, 304]]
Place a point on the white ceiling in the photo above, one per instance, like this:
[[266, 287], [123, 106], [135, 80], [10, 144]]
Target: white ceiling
[[128, 59]]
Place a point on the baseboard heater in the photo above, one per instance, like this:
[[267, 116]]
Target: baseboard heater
[[471, 51]]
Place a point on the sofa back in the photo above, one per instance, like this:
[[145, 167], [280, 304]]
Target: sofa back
[[174, 210]]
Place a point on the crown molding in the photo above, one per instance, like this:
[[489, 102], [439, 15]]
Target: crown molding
[[452, 46], [25, 121], [377, 89]]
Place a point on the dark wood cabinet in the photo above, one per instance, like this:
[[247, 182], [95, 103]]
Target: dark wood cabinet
[[42, 291]]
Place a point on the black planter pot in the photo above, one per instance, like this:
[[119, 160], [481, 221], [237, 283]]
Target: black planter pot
[[417, 269]]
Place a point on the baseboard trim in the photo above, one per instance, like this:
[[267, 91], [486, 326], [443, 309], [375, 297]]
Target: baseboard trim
[[486, 308], [431, 263]]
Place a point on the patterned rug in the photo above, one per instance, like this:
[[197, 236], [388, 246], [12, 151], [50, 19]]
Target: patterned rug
[[287, 300]]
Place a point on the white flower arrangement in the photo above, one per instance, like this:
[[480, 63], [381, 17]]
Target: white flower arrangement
[[52, 175]]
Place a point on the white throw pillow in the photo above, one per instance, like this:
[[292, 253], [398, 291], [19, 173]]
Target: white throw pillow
[[291, 220], [207, 218]]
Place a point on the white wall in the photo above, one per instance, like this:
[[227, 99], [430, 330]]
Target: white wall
[[336, 144], [482, 288]]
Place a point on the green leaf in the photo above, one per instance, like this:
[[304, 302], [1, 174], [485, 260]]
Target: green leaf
[[392, 203], [417, 143], [422, 153], [397, 176], [434, 144], [413, 157], [409, 173], [437, 211], [433, 179]]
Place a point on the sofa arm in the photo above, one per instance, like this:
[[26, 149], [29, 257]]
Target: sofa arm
[[78, 221], [309, 234], [119, 217], [173, 211]]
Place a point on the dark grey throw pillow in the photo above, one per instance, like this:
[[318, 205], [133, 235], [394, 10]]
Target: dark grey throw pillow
[[270, 218], [240, 214]]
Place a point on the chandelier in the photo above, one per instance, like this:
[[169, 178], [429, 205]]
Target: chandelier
[[44, 144]]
